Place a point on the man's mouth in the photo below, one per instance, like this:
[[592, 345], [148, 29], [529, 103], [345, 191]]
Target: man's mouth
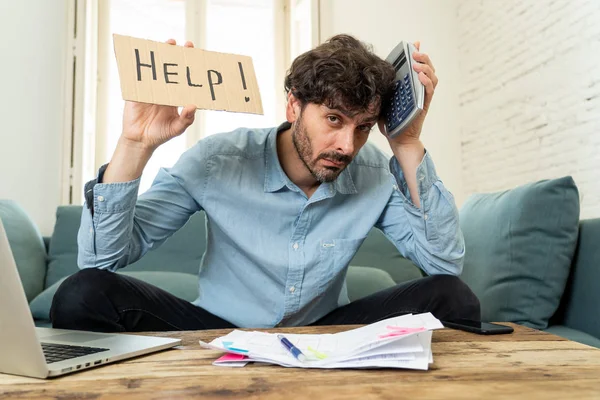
[[332, 163], [335, 160]]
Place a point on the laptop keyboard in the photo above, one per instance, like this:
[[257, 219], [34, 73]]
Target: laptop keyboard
[[59, 352]]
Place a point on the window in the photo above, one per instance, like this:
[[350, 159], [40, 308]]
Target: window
[[249, 27], [245, 27], [155, 20]]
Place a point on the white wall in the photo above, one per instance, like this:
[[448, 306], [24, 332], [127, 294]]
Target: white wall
[[530, 94], [33, 49], [383, 23]]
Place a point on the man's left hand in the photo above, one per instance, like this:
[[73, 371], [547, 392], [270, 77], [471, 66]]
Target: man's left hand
[[411, 135]]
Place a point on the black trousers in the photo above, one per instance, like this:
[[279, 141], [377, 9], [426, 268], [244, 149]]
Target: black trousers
[[102, 301]]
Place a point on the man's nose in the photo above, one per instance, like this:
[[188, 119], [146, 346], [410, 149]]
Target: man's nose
[[345, 141]]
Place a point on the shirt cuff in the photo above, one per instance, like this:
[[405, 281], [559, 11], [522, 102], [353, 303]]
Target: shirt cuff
[[110, 197], [426, 176], [88, 189]]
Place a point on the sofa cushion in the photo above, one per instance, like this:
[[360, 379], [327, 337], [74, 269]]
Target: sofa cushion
[[180, 253], [519, 247], [363, 281], [182, 285], [27, 246], [574, 334], [378, 252]]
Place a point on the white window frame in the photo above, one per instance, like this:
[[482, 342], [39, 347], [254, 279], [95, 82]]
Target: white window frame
[[304, 13], [79, 96]]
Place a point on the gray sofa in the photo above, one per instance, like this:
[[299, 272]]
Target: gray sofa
[[552, 286]]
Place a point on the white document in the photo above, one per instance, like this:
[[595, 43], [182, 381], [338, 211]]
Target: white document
[[399, 342]]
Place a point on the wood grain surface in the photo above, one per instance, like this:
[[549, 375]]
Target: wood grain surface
[[527, 364]]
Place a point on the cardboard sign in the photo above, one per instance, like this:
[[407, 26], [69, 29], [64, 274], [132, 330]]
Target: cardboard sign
[[160, 73]]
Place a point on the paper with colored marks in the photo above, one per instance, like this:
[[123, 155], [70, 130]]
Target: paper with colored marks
[[399, 342]]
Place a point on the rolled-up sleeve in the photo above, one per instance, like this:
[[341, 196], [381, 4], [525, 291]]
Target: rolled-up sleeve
[[118, 227], [430, 236]]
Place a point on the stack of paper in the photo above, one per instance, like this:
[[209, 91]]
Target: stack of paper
[[399, 342]]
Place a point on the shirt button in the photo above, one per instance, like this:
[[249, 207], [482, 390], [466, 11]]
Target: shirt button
[[100, 198], [91, 230], [292, 289], [395, 187], [295, 246], [425, 217]]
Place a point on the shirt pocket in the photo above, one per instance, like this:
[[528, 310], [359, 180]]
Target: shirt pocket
[[334, 257]]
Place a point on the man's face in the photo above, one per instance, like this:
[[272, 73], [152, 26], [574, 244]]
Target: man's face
[[328, 139]]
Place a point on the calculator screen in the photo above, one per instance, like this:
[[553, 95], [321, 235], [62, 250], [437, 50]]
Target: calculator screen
[[399, 61]]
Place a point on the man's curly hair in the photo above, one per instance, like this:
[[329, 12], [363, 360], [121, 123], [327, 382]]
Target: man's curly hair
[[342, 73]]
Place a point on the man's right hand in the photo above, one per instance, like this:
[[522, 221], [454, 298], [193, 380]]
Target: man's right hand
[[150, 125], [145, 127]]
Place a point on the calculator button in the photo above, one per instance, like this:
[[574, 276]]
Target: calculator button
[[406, 112]]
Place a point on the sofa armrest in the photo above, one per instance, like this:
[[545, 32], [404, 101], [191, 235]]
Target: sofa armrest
[[27, 247], [579, 306]]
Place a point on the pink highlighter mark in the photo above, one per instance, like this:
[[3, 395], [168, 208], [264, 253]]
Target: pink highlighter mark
[[229, 357], [399, 331]]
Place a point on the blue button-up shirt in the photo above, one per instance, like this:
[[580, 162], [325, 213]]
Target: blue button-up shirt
[[273, 256]]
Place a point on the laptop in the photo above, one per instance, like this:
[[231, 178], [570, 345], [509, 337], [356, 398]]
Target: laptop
[[44, 352]]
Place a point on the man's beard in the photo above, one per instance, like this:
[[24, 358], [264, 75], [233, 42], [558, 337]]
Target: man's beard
[[304, 149]]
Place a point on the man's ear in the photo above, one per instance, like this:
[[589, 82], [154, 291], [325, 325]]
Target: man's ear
[[292, 108]]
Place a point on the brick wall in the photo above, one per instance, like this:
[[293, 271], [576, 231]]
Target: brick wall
[[530, 94]]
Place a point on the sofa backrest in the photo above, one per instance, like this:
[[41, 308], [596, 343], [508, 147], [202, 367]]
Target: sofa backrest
[[580, 305], [183, 251]]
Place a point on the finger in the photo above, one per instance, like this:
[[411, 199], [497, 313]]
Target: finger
[[428, 71], [188, 44], [423, 59], [429, 87], [188, 112], [185, 119], [171, 41], [417, 45]]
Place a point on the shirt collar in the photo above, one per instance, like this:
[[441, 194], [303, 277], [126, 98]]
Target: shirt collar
[[275, 177], [344, 183]]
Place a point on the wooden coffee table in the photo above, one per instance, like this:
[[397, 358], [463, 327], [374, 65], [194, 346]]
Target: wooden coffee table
[[527, 364]]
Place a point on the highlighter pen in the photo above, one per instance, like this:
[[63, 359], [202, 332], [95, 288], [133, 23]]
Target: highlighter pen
[[291, 348]]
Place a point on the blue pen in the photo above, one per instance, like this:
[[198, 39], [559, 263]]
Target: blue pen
[[291, 348]]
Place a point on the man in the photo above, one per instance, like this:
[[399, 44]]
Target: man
[[287, 209]]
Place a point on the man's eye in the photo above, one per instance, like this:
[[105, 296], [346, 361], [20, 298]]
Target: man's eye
[[365, 128], [333, 119]]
